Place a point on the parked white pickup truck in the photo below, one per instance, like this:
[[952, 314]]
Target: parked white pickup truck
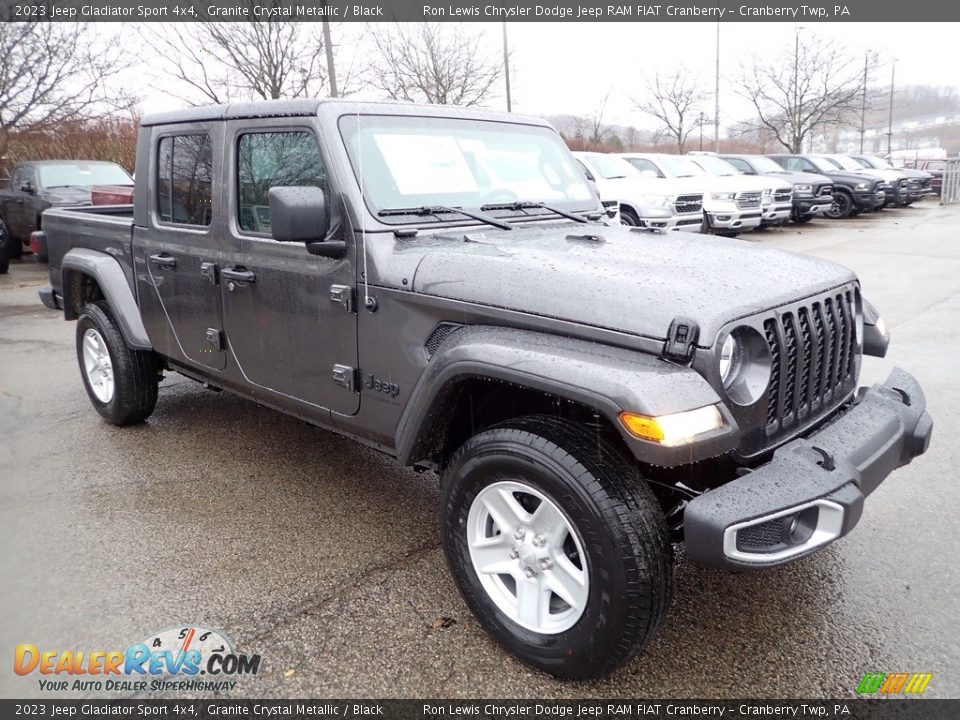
[[644, 202], [730, 204], [776, 202]]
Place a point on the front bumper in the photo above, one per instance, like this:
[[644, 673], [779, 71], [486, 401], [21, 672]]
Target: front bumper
[[667, 219], [870, 201], [777, 213], [812, 491], [734, 219], [812, 205]]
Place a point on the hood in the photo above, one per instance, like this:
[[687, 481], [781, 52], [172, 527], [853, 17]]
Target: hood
[[733, 183], [67, 195], [773, 181], [890, 176], [631, 188], [850, 178], [801, 178], [631, 281], [915, 174]]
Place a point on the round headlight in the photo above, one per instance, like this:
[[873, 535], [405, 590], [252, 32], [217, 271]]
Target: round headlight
[[729, 359]]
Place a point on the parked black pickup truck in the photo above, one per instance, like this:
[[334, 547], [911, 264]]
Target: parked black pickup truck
[[852, 192], [587, 393], [919, 182], [40, 184], [812, 192]]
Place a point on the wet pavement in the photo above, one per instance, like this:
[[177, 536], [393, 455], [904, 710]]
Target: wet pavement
[[323, 556]]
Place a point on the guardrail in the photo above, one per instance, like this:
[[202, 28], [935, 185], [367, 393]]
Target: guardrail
[[950, 192]]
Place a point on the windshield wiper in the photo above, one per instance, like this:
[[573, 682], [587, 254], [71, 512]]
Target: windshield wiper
[[439, 209], [529, 205]]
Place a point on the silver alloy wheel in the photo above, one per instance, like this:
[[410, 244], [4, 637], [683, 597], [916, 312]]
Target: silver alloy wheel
[[97, 365], [528, 557]]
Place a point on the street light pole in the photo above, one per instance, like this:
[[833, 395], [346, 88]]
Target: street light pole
[[331, 72], [893, 73], [506, 65], [795, 121], [716, 102], [863, 100]]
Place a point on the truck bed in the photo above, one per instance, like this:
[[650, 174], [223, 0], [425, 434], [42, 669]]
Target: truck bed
[[106, 228]]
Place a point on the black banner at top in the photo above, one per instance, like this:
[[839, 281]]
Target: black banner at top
[[479, 11]]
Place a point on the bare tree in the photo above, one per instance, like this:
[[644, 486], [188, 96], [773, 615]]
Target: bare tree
[[255, 59], [52, 72], [597, 130], [811, 85], [441, 63], [674, 101]]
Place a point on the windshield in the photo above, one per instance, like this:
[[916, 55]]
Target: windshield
[[878, 163], [715, 166], [610, 167], [825, 164], [413, 162], [680, 167], [763, 165], [846, 163], [83, 174]]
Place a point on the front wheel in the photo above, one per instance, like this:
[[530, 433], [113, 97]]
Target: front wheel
[[121, 383], [629, 218], [557, 545], [842, 206]]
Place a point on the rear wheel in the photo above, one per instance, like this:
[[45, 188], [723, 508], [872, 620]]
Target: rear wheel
[[557, 545], [120, 382], [4, 250]]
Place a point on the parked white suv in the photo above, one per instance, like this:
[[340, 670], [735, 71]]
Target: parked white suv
[[644, 202], [731, 204], [776, 201]]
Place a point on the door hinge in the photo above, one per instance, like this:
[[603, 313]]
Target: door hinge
[[215, 339], [346, 377], [209, 271], [342, 295]]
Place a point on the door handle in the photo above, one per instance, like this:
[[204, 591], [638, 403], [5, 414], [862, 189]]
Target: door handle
[[163, 260], [239, 274]]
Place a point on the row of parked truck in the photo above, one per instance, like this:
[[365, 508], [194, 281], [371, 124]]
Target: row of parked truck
[[730, 194]]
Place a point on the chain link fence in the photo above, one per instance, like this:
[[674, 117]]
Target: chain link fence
[[950, 192]]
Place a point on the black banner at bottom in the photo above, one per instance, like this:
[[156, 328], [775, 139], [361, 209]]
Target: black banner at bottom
[[914, 709]]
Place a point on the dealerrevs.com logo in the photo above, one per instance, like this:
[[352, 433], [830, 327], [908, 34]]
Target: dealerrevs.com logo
[[894, 683], [189, 658]]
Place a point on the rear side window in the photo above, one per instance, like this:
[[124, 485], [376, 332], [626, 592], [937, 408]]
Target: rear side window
[[269, 159], [184, 174]]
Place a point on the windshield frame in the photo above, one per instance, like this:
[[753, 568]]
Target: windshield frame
[[824, 164], [843, 161], [707, 160], [347, 140], [754, 160], [664, 162]]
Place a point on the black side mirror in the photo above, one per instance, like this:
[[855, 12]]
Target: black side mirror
[[299, 214], [27, 187]]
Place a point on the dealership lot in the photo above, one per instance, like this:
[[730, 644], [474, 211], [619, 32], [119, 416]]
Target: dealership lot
[[323, 557]]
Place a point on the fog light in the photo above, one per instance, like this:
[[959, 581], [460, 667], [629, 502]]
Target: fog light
[[674, 429]]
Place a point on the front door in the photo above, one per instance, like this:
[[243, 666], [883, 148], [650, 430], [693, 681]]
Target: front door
[[178, 254], [19, 209], [283, 329]]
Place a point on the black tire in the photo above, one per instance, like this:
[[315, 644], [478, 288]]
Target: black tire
[[629, 218], [628, 554], [705, 225], [802, 219], [14, 248], [135, 372], [842, 206], [4, 251]]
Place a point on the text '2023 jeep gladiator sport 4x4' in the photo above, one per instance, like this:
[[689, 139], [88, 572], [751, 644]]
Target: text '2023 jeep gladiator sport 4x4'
[[588, 394]]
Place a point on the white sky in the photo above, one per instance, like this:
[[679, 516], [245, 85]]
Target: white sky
[[560, 68]]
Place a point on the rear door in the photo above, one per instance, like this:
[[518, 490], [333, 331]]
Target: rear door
[[288, 315], [178, 252]]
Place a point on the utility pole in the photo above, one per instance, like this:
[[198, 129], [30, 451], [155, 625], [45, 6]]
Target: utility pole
[[716, 102], [863, 100], [795, 120], [893, 72], [506, 65], [701, 120], [331, 72]]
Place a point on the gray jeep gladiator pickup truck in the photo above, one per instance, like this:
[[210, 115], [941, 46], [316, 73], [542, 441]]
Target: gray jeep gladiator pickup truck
[[589, 395]]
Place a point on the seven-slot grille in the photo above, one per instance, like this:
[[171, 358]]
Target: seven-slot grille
[[746, 200], [783, 195], [813, 351], [688, 204]]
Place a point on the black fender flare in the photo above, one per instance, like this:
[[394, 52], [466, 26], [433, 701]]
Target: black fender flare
[[604, 378], [108, 274]]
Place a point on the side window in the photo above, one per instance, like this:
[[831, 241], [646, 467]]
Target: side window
[[184, 179], [740, 165], [267, 159], [21, 177]]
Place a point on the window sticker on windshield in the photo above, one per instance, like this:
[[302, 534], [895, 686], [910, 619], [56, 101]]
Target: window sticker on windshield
[[423, 164]]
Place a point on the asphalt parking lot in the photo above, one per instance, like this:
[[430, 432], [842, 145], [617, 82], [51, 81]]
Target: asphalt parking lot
[[324, 558]]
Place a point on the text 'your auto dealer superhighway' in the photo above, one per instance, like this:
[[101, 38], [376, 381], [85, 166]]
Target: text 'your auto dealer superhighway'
[[588, 12]]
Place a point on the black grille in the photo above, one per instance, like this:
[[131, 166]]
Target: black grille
[[813, 354], [688, 204], [440, 333], [758, 537], [748, 200], [825, 191], [782, 195]]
